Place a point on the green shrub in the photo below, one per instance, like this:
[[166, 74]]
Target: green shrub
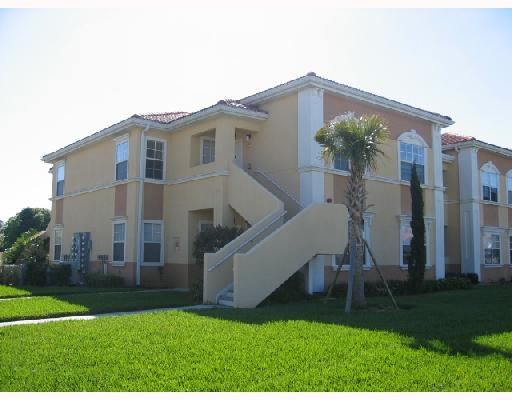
[[454, 283], [196, 289], [212, 240], [35, 274], [95, 279], [471, 276], [292, 289], [12, 274], [58, 274]]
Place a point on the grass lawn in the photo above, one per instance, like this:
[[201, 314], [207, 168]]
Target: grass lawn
[[89, 303], [449, 341], [12, 291]]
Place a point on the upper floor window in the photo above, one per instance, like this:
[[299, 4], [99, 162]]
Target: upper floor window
[[155, 159], [59, 176], [489, 176], [340, 162], [122, 160], [509, 187], [207, 149], [412, 150]]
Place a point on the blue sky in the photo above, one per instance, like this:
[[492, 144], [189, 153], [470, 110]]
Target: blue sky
[[65, 74]]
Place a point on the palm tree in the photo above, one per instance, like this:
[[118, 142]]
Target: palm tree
[[358, 140]]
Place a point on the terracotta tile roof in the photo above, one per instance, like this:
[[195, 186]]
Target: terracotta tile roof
[[164, 117], [452, 138]]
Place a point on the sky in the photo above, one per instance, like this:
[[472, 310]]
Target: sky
[[67, 73]]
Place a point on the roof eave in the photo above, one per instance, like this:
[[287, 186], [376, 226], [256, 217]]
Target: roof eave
[[478, 144], [338, 88]]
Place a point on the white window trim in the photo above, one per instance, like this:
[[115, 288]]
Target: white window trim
[[367, 234], [57, 166], [203, 221], [119, 263], [162, 241], [202, 139], [164, 158], [118, 141], [405, 221], [412, 137], [490, 168], [492, 231], [55, 230]]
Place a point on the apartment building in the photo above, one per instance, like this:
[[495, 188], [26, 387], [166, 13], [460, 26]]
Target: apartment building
[[130, 199]]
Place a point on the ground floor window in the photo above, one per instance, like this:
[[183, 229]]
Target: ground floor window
[[153, 246], [57, 244], [510, 249], [366, 224], [492, 249], [118, 242], [405, 240]]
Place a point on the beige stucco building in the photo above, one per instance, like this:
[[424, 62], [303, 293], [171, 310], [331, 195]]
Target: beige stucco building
[[130, 199], [478, 178]]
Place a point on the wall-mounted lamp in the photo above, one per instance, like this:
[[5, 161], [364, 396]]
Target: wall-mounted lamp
[[248, 137]]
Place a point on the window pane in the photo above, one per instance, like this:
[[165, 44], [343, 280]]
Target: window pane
[[57, 249], [420, 170], [405, 171], [118, 251], [151, 252], [148, 232], [406, 253], [122, 151], [340, 162], [486, 193], [510, 197], [122, 170], [60, 188], [494, 194], [60, 173], [119, 232]]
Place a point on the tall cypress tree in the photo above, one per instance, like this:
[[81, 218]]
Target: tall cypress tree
[[417, 258]]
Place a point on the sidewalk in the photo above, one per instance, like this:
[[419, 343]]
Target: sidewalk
[[106, 315]]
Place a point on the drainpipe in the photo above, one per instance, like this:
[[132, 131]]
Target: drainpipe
[[140, 205]]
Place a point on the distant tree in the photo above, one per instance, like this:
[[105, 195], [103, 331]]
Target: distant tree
[[417, 259], [27, 219]]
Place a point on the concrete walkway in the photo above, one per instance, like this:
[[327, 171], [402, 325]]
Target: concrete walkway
[[114, 314]]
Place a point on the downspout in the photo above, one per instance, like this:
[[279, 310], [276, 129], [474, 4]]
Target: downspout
[[140, 205]]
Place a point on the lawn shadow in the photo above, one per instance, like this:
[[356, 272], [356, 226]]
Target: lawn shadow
[[446, 322]]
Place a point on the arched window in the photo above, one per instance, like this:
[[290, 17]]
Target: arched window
[[411, 149], [490, 178]]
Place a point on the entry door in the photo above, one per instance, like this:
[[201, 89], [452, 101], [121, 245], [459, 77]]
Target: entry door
[[239, 152]]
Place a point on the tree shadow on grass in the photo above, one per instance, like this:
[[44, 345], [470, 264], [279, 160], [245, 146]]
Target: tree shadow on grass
[[446, 323]]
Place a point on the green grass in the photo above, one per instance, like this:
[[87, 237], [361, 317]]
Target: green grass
[[12, 291], [89, 303], [449, 341]]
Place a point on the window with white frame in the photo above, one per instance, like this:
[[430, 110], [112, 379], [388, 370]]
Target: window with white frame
[[122, 160], [340, 162], [57, 244], [207, 149], [405, 240], [492, 248], [510, 250], [509, 187], [153, 244], [204, 225], [118, 242], [366, 224], [490, 178], [155, 150], [412, 151], [59, 178]]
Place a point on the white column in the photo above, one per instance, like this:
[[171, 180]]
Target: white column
[[310, 119], [438, 201], [469, 192]]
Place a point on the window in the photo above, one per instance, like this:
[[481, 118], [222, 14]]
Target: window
[[340, 162], [204, 225], [154, 159], [337, 259], [153, 249], [412, 153], [122, 160], [509, 187], [119, 238], [60, 180], [57, 244], [489, 175], [510, 250], [492, 249], [207, 149], [405, 240], [490, 186]]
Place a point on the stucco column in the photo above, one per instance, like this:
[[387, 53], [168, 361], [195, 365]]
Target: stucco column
[[310, 119], [469, 189], [438, 201]]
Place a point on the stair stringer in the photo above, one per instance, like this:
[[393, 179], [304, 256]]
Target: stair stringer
[[318, 229]]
